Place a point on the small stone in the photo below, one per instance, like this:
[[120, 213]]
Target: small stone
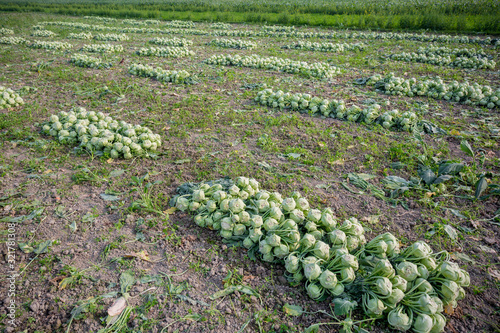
[[58, 323], [261, 271], [489, 240], [282, 279], [35, 306]]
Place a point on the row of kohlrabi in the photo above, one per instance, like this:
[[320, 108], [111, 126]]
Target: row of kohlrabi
[[9, 98], [167, 51], [318, 69], [171, 41], [409, 287], [13, 40], [463, 92], [179, 24], [43, 33], [325, 47], [102, 48], [142, 22], [233, 43], [5, 31], [444, 56], [278, 28], [50, 45], [82, 35], [160, 74], [406, 121], [444, 50], [185, 28], [111, 37], [86, 61], [97, 132], [100, 19], [220, 26]]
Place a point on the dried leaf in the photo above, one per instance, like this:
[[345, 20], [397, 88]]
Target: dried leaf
[[494, 273], [170, 210], [372, 219], [117, 307], [449, 310], [144, 255]]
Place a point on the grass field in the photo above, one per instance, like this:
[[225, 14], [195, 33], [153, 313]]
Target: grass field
[[437, 15], [88, 228]]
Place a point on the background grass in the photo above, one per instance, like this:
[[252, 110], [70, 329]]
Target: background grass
[[451, 16]]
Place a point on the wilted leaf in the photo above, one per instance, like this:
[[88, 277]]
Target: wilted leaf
[[26, 248], [365, 176], [372, 219], [292, 310], [192, 317], [264, 165], [221, 293], [462, 256], [109, 197], [73, 227], [187, 160], [452, 232], [116, 173], [126, 282], [456, 213]]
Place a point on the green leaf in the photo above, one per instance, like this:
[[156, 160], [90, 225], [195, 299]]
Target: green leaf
[[292, 310], [293, 155], [450, 168], [397, 165], [116, 173], [109, 197], [224, 292], [442, 179], [365, 176], [481, 185], [343, 306], [42, 247], [22, 218], [312, 329], [466, 148], [427, 175]]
